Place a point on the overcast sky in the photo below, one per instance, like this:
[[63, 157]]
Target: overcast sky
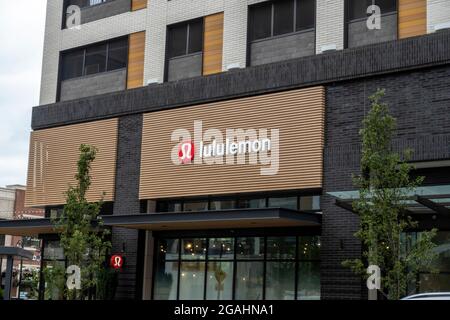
[[21, 41]]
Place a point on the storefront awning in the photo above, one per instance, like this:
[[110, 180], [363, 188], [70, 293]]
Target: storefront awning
[[240, 218], [430, 200], [26, 227]]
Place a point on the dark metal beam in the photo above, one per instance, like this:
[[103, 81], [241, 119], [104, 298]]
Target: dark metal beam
[[345, 205], [436, 207]]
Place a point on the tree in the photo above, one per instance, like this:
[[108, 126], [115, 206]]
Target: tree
[[384, 185], [82, 237]]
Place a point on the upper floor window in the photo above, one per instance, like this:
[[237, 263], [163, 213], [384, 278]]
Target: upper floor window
[[280, 17], [94, 59], [185, 39], [357, 9]]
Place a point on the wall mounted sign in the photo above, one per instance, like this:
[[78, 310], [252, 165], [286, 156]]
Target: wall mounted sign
[[116, 261]]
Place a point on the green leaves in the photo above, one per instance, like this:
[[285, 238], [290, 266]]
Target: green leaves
[[82, 237], [383, 184]]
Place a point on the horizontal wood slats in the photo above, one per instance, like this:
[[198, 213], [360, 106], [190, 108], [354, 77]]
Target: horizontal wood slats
[[138, 4], [213, 44], [53, 159], [412, 18], [298, 114], [136, 57]]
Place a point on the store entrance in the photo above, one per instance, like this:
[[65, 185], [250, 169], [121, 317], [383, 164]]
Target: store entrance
[[238, 267]]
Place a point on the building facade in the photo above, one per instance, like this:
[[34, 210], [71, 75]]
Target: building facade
[[228, 132]]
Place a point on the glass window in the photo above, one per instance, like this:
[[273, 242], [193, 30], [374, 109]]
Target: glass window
[[168, 206], [310, 203], [192, 279], [219, 281], [53, 251], [193, 249], [309, 248], [72, 64], [306, 11], [166, 280], [308, 287], [201, 205], [280, 281], [283, 17], [168, 249], [221, 249], [177, 41], [223, 204], [281, 247], [358, 8], [261, 21], [95, 60], [252, 203], [249, 280], [196, 36], [250, 248], [2, 239], [283, 202], [118, 54]]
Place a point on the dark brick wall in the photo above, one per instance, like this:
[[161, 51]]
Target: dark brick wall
[[420, 100], [382, 58], [127, 202]]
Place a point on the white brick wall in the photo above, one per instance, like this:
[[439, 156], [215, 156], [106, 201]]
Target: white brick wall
[[57, 40], [438, 12], [329, 24]]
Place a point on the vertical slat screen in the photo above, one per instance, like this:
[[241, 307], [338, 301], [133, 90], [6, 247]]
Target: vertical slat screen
[[412, 18], [136, 56], [298, 114], [53, 158], [213, 44]]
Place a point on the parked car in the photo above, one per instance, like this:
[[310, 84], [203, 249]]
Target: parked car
[[429, 296]]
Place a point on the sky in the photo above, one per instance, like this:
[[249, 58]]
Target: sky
[[22, 25]]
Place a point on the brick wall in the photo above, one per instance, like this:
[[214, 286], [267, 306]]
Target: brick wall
[[127, 202], [420, 101]]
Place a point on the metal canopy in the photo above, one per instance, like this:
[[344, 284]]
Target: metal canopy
[[235, 218], [430, 200], [221, 219]]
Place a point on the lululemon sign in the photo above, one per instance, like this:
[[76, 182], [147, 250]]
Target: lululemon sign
[[232, 146], [116, 261], [186, 152]]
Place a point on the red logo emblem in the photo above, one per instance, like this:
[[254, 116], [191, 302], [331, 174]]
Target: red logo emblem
[[186, 152], [116, 262]]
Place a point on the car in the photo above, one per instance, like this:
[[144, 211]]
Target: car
[[429, 296]]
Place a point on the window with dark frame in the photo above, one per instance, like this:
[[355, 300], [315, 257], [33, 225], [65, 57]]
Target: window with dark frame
[[186, 38], [357, 9], [237, 268], [295, 202], [275, 18], [99, 58]]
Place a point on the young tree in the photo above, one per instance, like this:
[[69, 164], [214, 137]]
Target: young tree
[[384, 185], [82, 237]]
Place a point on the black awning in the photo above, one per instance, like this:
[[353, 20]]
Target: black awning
[[236, 218], [26, 227]]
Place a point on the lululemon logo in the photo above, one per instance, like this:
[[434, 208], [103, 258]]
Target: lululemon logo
[[116, 262], [186, 152]]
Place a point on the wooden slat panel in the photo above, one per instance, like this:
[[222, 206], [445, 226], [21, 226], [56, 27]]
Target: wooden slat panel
[[53, 160], [298, 114], [138, 4], [412, 18], [136, 56], [213, 44]]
